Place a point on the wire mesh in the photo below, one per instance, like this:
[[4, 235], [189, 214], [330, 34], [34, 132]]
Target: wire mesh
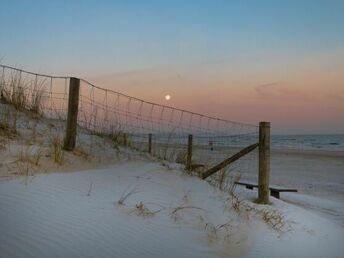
[[128, 121]]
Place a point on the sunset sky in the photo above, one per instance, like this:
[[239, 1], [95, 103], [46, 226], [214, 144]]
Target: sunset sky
[[280, 61]]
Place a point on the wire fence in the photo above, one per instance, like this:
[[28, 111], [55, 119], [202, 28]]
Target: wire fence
[[128, 120]]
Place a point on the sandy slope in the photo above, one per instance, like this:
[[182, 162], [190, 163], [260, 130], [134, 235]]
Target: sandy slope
[[80, 212], [78, 215], [170, 214]]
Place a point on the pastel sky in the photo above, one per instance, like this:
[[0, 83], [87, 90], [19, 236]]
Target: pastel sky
[[281, 61]]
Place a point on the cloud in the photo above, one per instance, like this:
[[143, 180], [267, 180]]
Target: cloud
[[267, 89], [281, 91]]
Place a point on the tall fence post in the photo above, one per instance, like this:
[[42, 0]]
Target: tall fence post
[[73, 104], [189, 153], [150, 143], [264, 162]]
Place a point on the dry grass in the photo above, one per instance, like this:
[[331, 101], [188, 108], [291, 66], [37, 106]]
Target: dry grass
[[181, 157], [30, 155], [127, 192], [19, 97], [3, 144], [23, 168], [119, 138], [8, 122], [18, 93], [28, 159], [57, 152], [79, 151], [143, 211], [274, 219], [36, 100], [175, 211]]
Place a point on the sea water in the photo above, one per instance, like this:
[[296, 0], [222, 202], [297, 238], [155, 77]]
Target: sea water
[[333, 142]]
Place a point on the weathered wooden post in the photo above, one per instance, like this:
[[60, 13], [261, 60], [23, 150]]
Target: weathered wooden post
[[189, 153], [264, 162], [150, 143], [72, 118]]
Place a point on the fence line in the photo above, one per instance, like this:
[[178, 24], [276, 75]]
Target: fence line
[[130, 121]]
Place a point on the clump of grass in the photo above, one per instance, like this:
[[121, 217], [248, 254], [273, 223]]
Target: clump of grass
[[274, 219], [36, 100], [119, 138], [8, 123], [142, 210], [127, 192], [57, 152], [237, 203], [17, 93], [19, 97]]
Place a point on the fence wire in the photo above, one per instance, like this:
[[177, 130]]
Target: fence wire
[[128, 121]]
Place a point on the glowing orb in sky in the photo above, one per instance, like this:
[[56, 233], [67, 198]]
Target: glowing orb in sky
[[167, 97]]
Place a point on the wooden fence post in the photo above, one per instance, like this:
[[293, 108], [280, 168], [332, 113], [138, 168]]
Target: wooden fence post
[[150, 143], [264, 162], [72, 118], [189, 153]]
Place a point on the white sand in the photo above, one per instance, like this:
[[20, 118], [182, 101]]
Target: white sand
[[53, 215], [170, 214], [318, 176], [58, 215]]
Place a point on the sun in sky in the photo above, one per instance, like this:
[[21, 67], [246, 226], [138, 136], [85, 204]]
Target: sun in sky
[[168, 97]]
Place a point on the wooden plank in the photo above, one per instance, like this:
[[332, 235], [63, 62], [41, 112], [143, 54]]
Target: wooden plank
[[246, 184], [230, 160], [275, 189], [275, 194], [282, 189]]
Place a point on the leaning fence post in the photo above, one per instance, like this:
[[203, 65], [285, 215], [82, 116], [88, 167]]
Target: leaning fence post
[[189, 153], [264, 162], [150, 143], [72, 117]]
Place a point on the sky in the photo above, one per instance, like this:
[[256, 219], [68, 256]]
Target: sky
[[248, 61]]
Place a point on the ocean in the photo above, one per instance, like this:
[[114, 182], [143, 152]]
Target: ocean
[[331, 142], [334, 142]]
